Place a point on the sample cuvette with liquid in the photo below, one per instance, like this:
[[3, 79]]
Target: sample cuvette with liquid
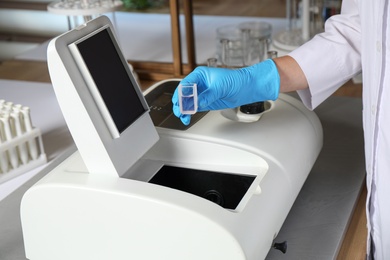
[[188, 98]]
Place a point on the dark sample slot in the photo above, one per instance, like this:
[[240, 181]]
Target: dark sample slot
[[225, 189]]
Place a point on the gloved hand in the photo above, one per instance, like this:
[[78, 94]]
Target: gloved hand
[[221, 88]]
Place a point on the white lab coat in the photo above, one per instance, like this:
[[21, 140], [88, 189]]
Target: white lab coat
[[359, 39]]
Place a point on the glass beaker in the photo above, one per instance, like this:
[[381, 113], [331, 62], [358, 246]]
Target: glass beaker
[[243, 44], [229, 46], [259, 40]]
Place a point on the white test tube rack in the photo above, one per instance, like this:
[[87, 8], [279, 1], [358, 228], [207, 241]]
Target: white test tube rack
[[30, 143]]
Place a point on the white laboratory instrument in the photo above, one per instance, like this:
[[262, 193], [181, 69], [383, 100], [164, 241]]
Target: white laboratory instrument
[[217, 189]]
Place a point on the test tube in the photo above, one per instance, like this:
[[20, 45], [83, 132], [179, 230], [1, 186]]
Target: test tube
[[246, 47], [12, 153], [7, 106], [225, 53], [305, 20], [32, 145], [188, 98], [4, 165], [23, 152]]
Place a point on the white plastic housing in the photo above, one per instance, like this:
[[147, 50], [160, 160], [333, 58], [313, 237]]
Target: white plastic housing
[[71, 214], [104, 149]]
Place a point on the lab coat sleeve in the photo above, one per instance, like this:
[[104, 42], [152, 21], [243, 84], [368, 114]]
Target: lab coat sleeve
[[331, 58]]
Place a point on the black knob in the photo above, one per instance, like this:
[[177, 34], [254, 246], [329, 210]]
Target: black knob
[[253, 108], [215, 197], [281, 246]]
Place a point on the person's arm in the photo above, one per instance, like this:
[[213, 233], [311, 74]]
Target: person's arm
[[330, 58], [291, 75]]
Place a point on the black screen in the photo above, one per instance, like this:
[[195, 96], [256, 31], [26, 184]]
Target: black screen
[[111, 78]]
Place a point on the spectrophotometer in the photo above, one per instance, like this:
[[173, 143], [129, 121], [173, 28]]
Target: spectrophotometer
[[142, 185]]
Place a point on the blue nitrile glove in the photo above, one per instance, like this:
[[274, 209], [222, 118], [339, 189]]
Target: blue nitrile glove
[[220, 88]]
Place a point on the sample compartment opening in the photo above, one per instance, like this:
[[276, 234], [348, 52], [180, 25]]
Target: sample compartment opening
[[224, 189]]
